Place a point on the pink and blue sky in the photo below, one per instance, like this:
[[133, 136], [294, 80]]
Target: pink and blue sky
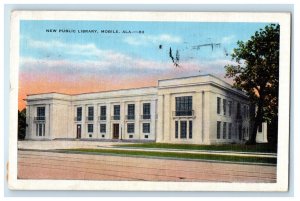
[[79, 62]]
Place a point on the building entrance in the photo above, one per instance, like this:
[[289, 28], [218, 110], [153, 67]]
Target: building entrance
[[115, 131]]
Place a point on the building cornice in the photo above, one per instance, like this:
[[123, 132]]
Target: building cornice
[[236, 92]]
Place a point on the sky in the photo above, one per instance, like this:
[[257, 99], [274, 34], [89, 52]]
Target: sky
[[88, 56]]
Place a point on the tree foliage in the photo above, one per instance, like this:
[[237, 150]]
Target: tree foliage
[[21, 124], [257, 73]]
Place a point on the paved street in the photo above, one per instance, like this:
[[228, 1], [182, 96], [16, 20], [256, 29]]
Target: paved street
[[49, 165]]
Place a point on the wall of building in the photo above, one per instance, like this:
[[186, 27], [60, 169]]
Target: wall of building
[[262, 136], [225, 117], [53, 115], [60, 119], [31, 114], [61, 111], [167, 118], [204, 92], [109, 99]]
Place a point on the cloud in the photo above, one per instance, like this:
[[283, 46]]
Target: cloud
[[70, 58], [79, 60], [228, 40], [119, 65], [123, 66], [55, 47], [152, 39]]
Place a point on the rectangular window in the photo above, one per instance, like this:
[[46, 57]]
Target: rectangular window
[[229, 130], [260, 128], [240, 132], [103, 113], [40, 113], [229, 107], [102, 128], [224, 130], [224, 106], [116, 112], [130, 128], [79, 114], [218, 129], [37, 130], [238, 111], [146, 127], [90, 128], [248, 112], [184, 106], [245, 111], [190, 129], [218, 105], [176, 129], [146, 111], [90, 113], [130, 111], [43, 129], [183, 128], [40, 130]]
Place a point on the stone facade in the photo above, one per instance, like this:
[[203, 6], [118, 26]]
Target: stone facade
[[197, 110]]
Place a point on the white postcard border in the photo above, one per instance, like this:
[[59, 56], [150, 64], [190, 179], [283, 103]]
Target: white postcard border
[[284, 100]]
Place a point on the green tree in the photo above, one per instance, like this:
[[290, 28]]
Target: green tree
[[257, 73], [21, 124]]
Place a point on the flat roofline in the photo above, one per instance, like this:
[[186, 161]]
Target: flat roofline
[[52, 92], [114, 90], [192, 76], [93, 92]]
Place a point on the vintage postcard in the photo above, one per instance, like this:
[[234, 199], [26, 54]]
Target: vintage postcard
[[150, 101]]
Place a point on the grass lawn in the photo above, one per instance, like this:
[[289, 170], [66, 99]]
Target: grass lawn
[[265, 148], [174, 155]]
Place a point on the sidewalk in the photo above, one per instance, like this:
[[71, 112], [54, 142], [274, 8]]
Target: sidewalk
[[53, 145], [63, 144]]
